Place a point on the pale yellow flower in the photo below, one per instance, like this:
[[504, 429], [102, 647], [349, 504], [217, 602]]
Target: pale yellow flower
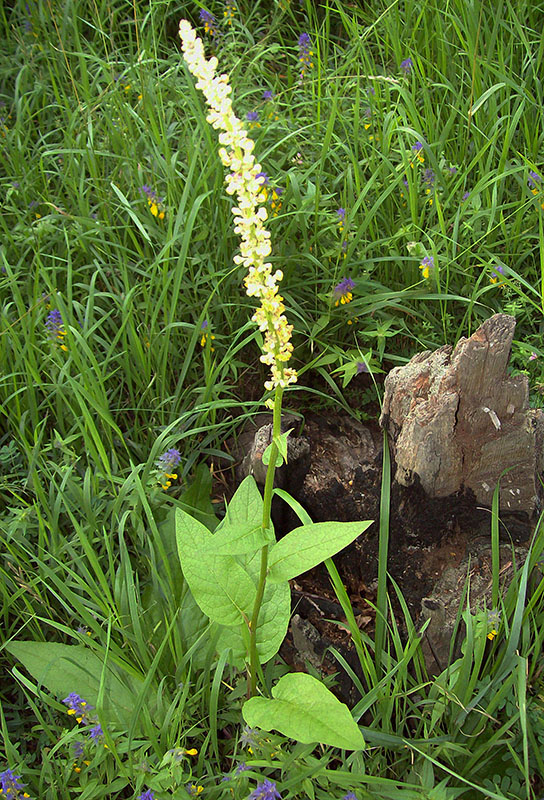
[[246, 183]]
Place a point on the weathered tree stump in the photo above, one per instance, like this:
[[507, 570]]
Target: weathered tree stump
[[457, 421]]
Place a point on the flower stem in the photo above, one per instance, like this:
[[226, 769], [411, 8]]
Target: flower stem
[[267, 506]]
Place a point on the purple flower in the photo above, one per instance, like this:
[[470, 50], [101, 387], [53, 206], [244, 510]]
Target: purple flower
[[169, 460], [304, 53], [341, 214], [265, 791], [452, 170], [496, 273], [265, 179], [426, 266], [78, 706], [11, 785], [268, 94], [362, 367], [149, 794], [406, 65], [252, 116], [465, 196], [242, 767], [78, 749], [96, 732], [428, 176], [343, 291], [350, 795], [417, 147], [210, 23], [534, 179], [533, 356]]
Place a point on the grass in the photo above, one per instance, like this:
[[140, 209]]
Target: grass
[[97, 104]]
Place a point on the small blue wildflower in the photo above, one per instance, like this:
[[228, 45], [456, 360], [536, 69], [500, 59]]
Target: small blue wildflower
[[362, 367], [96, 733], [11, 785], [242, 767], [169, 460], [78, 707], [406, 65], [417, 148], [343, 291], [428, 177], [193, 789], [166, 465], [341, 214], [305, 53], [452, 170], [496, 273], [350, 796], [265, 791], [268, 94], [53, 323], [465, 196], [78, 748], [265, 179], [149, 794], [427, 266], [253, 119], [534, 179], [210, 23]]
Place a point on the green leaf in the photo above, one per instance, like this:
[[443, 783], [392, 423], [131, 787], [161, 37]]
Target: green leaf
[[240, 539], [65, 668], [246, 505], [271, 629], [266, 457], [220, 585], [309, 545], [304, 709], [281, 443], [197, 497]]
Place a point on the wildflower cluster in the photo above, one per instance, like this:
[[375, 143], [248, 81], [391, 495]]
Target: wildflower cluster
[[343, 292], [243, 181], [55, 328], [210, 23], [165, 466], [265, 791], [206, 335], [417, 148], [11, 785], [271, 194], [253, 119], [305, 54], [81, 710], [154, 202], [406, 66], [534, 183], [493, 622], [496, 273], [229, 11], [427, 266]]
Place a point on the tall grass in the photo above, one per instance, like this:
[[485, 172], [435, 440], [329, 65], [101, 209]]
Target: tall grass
[[97, 104]]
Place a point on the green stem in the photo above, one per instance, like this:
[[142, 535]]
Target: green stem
[[267, 506]]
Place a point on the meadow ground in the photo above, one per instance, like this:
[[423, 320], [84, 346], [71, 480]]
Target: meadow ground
[[402, 147]]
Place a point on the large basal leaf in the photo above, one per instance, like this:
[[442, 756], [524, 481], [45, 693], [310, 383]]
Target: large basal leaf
[[65, 668], [220, 585], [271, 630], [309, 545], [304, 709]]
